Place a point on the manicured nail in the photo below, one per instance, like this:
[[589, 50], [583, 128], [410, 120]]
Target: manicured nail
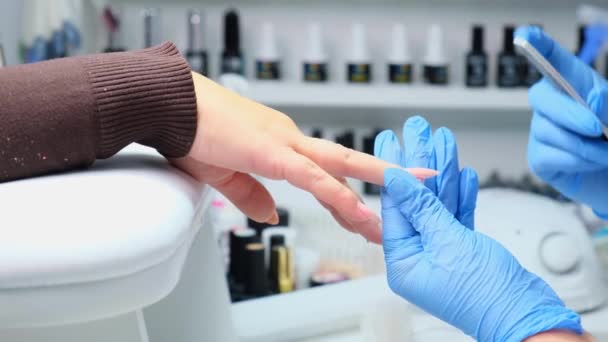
[[274, 219], [422, 173]]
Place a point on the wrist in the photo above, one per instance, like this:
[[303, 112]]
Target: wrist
[[533, 309]]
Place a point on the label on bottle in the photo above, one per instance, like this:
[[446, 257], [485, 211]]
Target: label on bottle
[[268, 70], [198, 62], [435, 74], [233, 65], [359, 73], [400, 73], [477, 70], [315, 72], [508, 75]]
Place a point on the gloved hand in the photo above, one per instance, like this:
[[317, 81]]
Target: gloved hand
[[565, 148], [434, 261], [456, 189]]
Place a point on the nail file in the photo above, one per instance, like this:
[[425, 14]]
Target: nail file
[[542, 64]]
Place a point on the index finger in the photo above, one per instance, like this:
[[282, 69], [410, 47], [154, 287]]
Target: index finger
[[577, 73], [345, 162]]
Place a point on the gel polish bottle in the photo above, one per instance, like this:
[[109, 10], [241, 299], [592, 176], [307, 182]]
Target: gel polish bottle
[[359, 68], [581, 41], [529, 73], [112, 23], [347, 139], [267, 64], [152, 27], [368, 147], [435, 70], [315, 62], [237, 268], [605, 64], [256, 278], [2, 60], [232, 58], [508, 62], [196, 55], [400, 61], [477, 61]]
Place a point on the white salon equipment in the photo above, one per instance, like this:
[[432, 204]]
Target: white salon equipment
[[112, 253], [548, 239]]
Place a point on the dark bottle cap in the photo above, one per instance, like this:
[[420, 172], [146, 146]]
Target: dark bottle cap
[[238, 240], [581, 38], [317, 133], [277, 240], [508, 39], [368, 142], [259, 226], [231, 34], [347, 139], [256, 281], [477, 42]]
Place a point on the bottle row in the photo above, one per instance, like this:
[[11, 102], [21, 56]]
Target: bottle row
[[262, 259], [513, 70]]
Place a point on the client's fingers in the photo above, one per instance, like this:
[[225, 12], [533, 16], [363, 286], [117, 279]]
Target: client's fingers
[[370, 230], [303, 173], [249, 195], [341, 161]]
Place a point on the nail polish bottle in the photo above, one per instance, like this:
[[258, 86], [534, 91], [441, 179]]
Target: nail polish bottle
[[317, 133], [359, 68], [368, 147], [256, 278], [152, 27], [529, 73], [237, 267], [400, 61], [581, 41], [346, 139], [606, 67], [282, 273], [2, 60], [196, 55], [112, 23], [508, 62], [232, 58], [435, 70], [267, 64], [477, 61], [315, 61]]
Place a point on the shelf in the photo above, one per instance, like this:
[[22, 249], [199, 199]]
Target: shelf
[[387, 96]]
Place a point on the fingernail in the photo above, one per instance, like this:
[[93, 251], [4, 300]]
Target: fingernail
[[274, 219], [365, 213]]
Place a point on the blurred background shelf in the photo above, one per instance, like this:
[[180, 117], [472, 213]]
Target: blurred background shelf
[[388, 96]]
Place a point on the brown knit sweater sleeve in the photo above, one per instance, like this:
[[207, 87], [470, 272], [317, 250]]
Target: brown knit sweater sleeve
[[65, 113]]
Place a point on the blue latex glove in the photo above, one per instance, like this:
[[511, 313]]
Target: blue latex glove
[[456, 189], [564, 147], [444, 267]]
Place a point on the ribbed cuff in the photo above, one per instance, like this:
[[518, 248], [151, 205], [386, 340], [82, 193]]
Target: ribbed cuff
[[145, 96]]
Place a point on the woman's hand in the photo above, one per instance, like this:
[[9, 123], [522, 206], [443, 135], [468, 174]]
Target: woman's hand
[[237, 137]]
